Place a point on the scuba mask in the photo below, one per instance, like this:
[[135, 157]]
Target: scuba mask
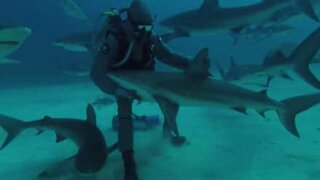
[[140, 17], [146, 28]]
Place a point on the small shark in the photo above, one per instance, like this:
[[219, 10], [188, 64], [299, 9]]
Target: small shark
[[258, 33], [77, 42], [11, 38], [276, 63], [194, 87], [211, 18], [92, 153], [242, 73], [83, 41]]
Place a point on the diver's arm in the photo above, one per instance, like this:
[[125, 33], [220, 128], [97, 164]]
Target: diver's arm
[[103, 59], [164, 54]]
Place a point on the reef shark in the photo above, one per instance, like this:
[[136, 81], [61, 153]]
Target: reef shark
[[211, 18], [11, 38], [77, 42], [277, 64], [258, 33], [195, 87], [92, 153]]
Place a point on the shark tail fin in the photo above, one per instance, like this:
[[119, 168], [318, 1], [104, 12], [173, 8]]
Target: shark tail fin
[[307, 8], [294, 106], [303, 55], [12, 126]]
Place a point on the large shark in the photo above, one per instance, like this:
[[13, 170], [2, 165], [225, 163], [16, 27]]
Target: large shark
[[211, 18], [11, 38], [92, 153], [277, 64], [194, 87]]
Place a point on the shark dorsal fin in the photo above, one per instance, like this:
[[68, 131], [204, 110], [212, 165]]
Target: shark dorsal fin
[[210, 5], [59, 137], [200, 66], [91, 115]]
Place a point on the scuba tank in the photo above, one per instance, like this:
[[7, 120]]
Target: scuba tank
[[140, 123], [114, 18], [101, 26]]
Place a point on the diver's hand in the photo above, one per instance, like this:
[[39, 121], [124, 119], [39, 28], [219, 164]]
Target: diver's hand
[[125, 93]]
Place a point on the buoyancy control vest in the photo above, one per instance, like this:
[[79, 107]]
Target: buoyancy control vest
[[148, 57]]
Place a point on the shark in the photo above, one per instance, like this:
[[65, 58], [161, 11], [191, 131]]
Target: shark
[[11, 38], [211, 18], [277, 64], [92, 149], [77, 42], [195, 87], [258, 33]]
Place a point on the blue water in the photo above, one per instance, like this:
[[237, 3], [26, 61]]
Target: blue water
[[223, 144]]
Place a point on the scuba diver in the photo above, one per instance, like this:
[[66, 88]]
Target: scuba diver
[[132, 45]]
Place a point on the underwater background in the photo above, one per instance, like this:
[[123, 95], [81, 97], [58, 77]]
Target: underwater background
[[222, 144]]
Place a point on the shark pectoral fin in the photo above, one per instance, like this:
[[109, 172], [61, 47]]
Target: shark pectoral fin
[[170, 111], [91, 115], [200, 66], [241, 110], [269, 79], [263, 92], [59, 137], [40, 131], [262, 113], [307, 8]]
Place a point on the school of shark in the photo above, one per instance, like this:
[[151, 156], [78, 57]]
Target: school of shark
[[195, 86]]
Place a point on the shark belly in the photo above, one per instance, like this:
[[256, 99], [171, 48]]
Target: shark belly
[[189, 92]]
